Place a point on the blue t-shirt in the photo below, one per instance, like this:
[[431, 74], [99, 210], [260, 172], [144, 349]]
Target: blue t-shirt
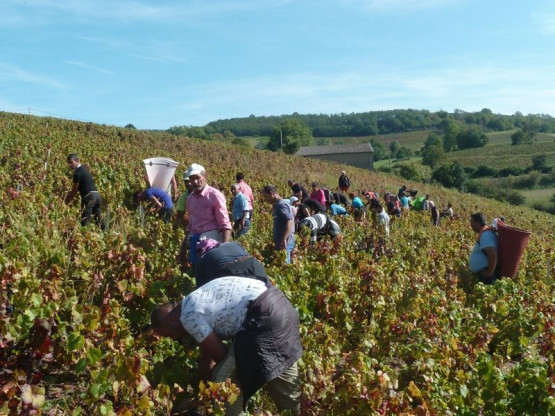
[[337, 210], [404, 201], [240, 204], [162, 196], [357, 202], [478, 259]]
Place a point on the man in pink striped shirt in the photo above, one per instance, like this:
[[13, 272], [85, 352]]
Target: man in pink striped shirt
[[207, 208]]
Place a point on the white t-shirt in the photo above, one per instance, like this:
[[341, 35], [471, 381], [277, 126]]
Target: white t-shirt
[[220, 306], [383, 218]]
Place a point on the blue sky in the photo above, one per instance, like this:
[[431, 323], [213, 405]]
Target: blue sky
[[164, 63]]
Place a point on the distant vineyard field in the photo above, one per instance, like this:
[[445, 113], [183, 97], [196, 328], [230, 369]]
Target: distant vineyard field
[[504, 137], [503, 156]]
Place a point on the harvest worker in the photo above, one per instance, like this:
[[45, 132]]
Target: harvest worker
[[180, 205], [483, 259], [344, 182], [382, 217], [245, 190], [264, 328], [208, 216], [340, 199], [90, 198], [283, 224], [319, 225], [317, 194], [434, 211], [314, 207], [448, 212], [357, 207], [240, 212], [298, 190], [336, 209], [162, 201], [226, 259]]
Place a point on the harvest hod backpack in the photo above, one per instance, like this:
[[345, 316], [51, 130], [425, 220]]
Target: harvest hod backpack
[[511, 245]]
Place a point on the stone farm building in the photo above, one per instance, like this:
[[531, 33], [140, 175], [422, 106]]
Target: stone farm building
[[357, 155]]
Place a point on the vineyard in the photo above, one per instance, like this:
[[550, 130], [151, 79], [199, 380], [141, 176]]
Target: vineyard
[[505, 155], [397, 326]]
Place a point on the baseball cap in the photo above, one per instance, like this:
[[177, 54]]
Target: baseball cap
[[293, 199], [196, 169]]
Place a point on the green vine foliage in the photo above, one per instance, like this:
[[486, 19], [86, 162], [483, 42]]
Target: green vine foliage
[[389, 326]]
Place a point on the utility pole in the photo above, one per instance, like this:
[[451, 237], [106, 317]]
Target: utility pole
[[280, 139]]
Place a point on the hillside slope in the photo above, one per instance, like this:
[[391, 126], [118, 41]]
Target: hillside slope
[[395, 326]]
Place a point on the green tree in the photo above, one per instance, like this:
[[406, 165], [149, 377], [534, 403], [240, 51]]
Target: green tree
[[240, 141], [289, 136], [519, 137], [450, 176], [408, 171], [403, 152], [515, 198], [379, 150], [450, 130], [539, 162], [433, 152], [394, 148], [228, 135], [472, 137], [432, 155], [433, 140]]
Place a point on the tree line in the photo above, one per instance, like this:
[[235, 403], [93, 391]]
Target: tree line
[[373, 123]]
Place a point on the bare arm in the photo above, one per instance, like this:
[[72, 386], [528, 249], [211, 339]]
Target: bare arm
[[174, 188], [288, 231], [491, 253], [212, 351], [244, 218], [71, 194], [226, 235], [157, 203]]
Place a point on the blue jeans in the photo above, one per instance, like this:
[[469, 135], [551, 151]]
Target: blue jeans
[[240, 232], [289, 248]]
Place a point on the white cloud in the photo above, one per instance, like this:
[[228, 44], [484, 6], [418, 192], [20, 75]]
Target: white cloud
[[385, 5], [13, 74], [126, 10], [92, 67]]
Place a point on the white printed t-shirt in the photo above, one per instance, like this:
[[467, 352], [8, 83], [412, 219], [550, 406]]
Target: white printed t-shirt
[[220, 306]]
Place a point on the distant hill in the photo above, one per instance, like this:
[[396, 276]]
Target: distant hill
[[374, 123]]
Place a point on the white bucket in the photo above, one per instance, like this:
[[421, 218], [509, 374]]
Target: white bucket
[[160, 171]]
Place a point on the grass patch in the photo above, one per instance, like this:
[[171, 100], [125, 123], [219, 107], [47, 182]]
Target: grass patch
[[537, 195]]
